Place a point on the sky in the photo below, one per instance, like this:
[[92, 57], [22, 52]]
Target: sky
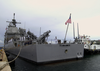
[[52, 15]]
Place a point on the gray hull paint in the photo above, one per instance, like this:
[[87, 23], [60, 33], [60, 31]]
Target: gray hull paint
[[47, 52]]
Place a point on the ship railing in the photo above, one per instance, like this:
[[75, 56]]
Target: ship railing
[[58, 41]]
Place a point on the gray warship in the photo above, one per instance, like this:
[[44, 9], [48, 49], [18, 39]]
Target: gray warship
[[36, 49]]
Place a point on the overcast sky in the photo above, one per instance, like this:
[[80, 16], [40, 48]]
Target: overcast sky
[[52, 15]]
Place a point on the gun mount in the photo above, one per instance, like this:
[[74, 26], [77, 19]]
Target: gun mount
[[41, 39]]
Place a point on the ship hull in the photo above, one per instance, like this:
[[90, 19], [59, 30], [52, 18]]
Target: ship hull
[[47, 52], [91, 51]]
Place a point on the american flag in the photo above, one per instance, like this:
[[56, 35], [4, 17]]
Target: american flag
[[69, 20]]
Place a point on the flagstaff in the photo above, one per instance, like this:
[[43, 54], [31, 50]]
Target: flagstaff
[[68, 21], [66, 32]]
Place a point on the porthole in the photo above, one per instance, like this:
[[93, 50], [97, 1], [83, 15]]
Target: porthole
[[66, 51]]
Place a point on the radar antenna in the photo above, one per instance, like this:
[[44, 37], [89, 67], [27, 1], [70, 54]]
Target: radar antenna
[[14, 21]]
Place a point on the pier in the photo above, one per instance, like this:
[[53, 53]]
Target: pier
[[3, 61]]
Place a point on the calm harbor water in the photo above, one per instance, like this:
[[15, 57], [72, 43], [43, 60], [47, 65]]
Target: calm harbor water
[[88, 63]]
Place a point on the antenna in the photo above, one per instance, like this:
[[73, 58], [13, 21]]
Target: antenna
[[40, 31], [73, 31], [78, 30], [24, 25]]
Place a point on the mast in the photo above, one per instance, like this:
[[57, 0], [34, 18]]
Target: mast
[[14, 16], [14, 21]]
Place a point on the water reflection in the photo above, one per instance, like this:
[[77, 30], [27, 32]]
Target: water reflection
[[89, 62]]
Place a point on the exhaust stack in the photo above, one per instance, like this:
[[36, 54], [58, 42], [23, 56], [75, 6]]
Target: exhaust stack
[[73, 31], [78, 30]]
